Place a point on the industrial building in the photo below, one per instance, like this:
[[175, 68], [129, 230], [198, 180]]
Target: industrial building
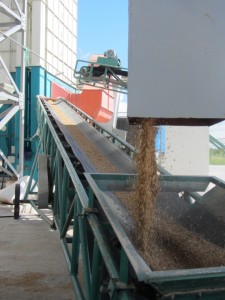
[[75, 207]]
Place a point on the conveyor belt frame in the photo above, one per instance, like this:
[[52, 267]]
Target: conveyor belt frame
[[111, 265]]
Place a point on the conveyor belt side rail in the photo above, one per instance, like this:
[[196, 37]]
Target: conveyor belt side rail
[[202, 283], [96, 266]]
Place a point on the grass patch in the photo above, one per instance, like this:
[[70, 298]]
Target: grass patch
[[217, 160], [216, 157]]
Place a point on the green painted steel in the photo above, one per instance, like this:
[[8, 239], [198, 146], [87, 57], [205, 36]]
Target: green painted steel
[[80, 218], [84, 249], [112, 62], [215, 142], [86, 224], [97, 265], [76, 240], [29, 184], [63, 198], [178, 282], [111, 77]]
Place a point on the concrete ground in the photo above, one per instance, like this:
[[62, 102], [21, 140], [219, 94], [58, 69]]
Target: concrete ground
[[32, 263]]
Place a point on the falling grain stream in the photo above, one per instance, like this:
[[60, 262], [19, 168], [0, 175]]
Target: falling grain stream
[[162, 242]]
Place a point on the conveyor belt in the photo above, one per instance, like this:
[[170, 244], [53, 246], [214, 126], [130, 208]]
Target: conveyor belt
[[97, 154], [119, 161]]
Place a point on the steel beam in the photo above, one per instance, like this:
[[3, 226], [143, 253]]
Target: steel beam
[[10, 77], [8, 163], [9, 12], [10, 114], [6, 171], [10, 31], [10, 99], [22, 89], [18, 7]]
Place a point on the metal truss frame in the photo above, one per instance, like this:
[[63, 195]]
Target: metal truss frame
[[18, 22], [15, 100]]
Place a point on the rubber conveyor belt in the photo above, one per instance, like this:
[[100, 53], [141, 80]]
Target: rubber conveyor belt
[[76, 131], [119, 161], [95, 152]]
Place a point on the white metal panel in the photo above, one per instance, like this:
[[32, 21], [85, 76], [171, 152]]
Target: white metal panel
[[176, 59], [38, 33], [187, 150], [61, 37]]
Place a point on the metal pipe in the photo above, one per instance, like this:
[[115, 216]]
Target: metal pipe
[[22, 91], [17, 202], [84, 250], [32, 172], [97, 265], [63, 198], [76, 238]]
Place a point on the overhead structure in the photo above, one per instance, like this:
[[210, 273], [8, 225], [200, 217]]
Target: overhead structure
[[176, 61], [103, 72], [11, 97]]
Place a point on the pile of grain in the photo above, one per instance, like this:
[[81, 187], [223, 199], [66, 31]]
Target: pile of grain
[[162, 242], [172, 246], [146, 185]]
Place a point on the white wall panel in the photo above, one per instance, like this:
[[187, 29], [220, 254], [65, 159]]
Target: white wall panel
[[177, 69], [38, 33], [6, 57], [5, 45], [187, 150], [52, 36], [176, 59], [61, 37]]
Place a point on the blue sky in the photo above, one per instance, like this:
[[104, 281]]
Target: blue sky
[[103, 25]]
